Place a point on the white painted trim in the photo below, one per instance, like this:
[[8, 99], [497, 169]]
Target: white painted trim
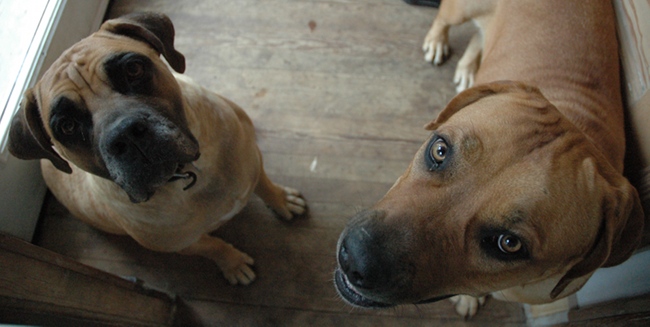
[[626, 280], [31, 64], [21, 186]]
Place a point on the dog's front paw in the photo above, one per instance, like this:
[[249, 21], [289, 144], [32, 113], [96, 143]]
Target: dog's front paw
[[294, 204], [467, 306], [435, 47], [236, 267]]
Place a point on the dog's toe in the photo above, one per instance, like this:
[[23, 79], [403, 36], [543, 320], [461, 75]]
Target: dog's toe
[[467, 306], [238, 270], [442, 51], [428, 49]]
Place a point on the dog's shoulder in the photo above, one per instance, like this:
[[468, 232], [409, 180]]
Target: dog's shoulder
[[208, 111]]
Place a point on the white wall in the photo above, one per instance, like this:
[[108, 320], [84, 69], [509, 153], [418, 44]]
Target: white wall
[[21, 186]]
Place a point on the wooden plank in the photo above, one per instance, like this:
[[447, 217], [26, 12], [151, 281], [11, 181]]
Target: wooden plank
[[38, 286], [209, 313], [267, 48], [367, 148], [298, 256]]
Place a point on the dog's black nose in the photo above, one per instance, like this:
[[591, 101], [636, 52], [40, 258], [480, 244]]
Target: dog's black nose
[[128, 136], [363, 260]]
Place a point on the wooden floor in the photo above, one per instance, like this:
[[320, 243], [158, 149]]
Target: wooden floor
[[339, 93]]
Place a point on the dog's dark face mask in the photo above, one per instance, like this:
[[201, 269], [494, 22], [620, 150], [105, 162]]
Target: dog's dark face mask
[[111, 106]]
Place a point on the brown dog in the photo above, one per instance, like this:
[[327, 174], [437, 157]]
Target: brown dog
[[135, 149], [518, 192]]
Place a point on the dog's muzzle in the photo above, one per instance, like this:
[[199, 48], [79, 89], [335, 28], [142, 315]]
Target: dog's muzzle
[[143, 151], [373, 271]]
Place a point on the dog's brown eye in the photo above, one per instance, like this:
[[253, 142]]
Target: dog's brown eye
[[439, 151], [134, 69], [509, 244], [68, 127]]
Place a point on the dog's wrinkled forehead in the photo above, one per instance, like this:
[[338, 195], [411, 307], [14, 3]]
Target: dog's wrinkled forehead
[[80, 72]]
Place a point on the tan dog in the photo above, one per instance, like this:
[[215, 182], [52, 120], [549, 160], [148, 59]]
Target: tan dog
[[135, 149], [518, 192]]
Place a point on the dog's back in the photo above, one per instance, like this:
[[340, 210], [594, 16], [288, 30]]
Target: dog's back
[[569, 50]]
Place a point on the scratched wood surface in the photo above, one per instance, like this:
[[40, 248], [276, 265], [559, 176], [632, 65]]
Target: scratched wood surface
[[339, 93]]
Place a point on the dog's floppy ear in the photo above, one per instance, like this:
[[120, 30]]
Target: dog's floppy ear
[[153, 28], [474, 94], [27, 137], [621, 227]]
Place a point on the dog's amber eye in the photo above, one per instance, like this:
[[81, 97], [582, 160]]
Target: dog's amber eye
[[509, 244], [134, 69], [68, 126], [439, 151]]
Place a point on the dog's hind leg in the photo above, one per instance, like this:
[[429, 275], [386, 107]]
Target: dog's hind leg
[[234, 264], [285, 201]]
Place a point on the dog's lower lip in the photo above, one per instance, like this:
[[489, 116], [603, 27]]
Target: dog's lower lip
[[434, 299], [352, 296]]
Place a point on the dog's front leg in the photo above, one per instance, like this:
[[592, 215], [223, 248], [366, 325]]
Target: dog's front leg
[[468, 63], [234, 264]]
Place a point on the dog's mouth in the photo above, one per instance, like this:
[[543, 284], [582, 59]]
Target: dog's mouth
[[347, 291], [146, 181], [350, 294], [188, 175], [141, 183]]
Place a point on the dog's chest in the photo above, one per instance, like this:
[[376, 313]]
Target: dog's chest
[[238, 203]]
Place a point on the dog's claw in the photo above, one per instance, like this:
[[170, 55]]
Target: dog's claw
[[467, 306]]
